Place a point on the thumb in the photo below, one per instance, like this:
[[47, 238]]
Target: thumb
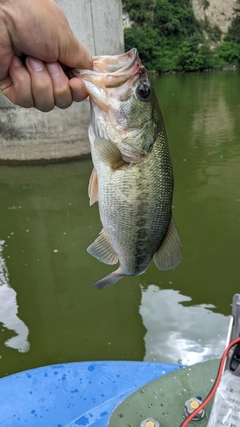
[[74, 55]]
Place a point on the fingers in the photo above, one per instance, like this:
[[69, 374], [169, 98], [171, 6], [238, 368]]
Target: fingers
[[41, 85], [17, 86], [6, 51], [78, 90], [61, 90], [6, 59], [50, 86]]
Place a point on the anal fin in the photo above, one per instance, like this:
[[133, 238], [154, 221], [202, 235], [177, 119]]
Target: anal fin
[[169, 253], [102, 249]]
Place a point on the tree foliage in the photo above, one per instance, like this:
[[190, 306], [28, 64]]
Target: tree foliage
[[168, 37]]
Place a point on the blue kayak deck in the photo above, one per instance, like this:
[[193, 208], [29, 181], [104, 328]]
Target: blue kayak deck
[[73, 394]]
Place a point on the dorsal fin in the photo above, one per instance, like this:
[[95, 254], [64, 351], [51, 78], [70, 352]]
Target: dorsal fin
[[169, 253]]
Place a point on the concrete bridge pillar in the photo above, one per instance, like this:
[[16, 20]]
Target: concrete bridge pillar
[[33, 136]]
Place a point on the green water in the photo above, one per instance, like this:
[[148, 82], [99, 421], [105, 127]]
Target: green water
[[49, 310]]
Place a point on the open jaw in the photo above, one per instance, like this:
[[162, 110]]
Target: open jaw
[[114, 63], [111, 71]]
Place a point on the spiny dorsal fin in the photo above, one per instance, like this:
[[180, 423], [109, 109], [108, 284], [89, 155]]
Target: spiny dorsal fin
[[93, 187], [169, 253], [108, 152], [102, 249]]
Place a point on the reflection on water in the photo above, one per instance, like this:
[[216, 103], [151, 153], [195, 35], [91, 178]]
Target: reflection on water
[[9, 310], [212, 120], [192, 334]]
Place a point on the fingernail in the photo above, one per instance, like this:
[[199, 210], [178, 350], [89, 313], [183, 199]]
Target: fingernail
[[35, 64], [54, 69], [16, 62]]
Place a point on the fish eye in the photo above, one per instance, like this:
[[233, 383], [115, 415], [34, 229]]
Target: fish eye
[[143, 92]]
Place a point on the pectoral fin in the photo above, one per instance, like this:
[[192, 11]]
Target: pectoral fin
[[169, 253], [93, 187], [108, 152], [102, 249]]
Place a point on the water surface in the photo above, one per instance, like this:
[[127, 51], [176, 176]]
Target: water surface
[[49, 310]]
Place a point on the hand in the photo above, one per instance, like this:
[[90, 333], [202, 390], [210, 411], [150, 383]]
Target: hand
[[38, 31]]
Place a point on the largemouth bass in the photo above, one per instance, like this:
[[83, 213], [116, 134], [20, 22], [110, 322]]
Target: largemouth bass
[[132, 179]]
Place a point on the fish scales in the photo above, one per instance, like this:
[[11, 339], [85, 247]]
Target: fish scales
[[132, 178], [132, 213]]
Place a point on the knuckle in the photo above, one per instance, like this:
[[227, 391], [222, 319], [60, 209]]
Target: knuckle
[[63, 105], [43, 101], [44, 108], [40, 86], [27, 104], [22, 100], [62, 91]]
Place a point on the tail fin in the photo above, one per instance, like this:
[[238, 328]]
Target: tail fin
[[109, 280]]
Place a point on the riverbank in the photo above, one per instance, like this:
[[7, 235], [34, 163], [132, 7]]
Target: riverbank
[[207, 70], [169, 37]]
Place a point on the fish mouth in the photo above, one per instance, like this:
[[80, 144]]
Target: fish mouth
[[111, 70], [114, 63]]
